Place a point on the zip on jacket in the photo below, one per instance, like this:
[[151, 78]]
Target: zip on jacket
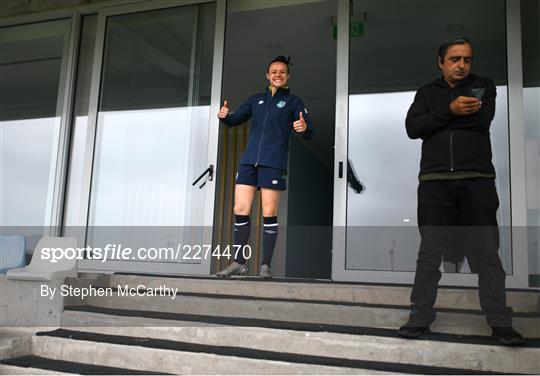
[[262, 134], [452, 151]]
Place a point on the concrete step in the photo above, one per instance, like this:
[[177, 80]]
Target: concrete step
[[31, 364], [15, 342], [323, 312], [14, 370], [375, 348], [527, 301], [146, 355]]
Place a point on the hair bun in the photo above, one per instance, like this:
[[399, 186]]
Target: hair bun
[[282, 59]]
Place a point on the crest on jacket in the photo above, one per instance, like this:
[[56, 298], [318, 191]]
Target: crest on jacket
[[281, 104]]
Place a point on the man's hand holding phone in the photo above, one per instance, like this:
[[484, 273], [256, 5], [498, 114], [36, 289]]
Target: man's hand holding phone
[[463, 106]]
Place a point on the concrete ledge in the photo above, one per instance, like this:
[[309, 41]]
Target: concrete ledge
[[23, 306]]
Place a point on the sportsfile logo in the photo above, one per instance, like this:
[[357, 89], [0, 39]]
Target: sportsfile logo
[[110, 251]]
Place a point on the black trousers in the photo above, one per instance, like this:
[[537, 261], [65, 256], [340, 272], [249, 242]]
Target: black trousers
[[459, 214]]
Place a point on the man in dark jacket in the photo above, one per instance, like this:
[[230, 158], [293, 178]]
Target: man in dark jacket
[[456, 194]]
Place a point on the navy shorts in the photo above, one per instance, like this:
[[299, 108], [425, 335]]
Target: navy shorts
[[261, 176]]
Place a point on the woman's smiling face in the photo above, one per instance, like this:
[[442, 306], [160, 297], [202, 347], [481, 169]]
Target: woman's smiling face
[[278, 75]]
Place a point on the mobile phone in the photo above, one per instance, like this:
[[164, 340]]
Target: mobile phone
[[478, 93]]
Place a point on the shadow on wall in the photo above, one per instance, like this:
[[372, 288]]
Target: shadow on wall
[[309, 223]]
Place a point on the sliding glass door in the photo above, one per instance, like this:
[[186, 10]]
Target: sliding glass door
[[389, 53], [152, 134]]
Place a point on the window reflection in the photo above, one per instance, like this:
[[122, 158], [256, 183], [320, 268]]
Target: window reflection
[[142, 172], [32, 62], [27, 171], [382, 220], [389, 60], [530, 32]]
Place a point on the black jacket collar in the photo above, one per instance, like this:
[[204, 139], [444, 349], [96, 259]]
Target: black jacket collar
[[467, 80]]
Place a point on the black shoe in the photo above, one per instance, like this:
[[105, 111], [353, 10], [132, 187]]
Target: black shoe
[[412, 331], [508, 336]]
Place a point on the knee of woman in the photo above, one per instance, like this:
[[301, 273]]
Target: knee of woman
[[270, 211], [240, 209]]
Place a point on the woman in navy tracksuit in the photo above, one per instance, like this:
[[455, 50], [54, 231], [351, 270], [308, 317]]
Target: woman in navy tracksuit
[[275, 114]]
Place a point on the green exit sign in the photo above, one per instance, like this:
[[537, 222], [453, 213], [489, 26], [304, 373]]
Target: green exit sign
[[356, 29]]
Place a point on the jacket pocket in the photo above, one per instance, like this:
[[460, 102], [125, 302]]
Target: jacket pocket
[[436, 153], [472, 151]]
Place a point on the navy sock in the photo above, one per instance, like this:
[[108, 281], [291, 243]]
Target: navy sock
[[241, 236], [269, 239]]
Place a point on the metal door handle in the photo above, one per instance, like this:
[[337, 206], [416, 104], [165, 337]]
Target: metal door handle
[[352, 179], [210, 172]]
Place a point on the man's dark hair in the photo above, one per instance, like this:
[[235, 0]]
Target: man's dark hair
[[459, 39], [281, 59]]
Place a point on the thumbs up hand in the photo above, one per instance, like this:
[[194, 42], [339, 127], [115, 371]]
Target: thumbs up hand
[[223, 111], [300, 125]]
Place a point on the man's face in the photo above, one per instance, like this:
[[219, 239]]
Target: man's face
[[457, 63], [278, 75]]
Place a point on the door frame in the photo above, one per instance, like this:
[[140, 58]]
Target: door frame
[[202, 268], [519, 277]]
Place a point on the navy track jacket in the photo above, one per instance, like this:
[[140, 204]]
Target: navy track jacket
[[271, 127]]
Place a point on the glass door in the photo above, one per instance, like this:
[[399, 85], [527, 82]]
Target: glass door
[[390, 53], [154, 135]]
